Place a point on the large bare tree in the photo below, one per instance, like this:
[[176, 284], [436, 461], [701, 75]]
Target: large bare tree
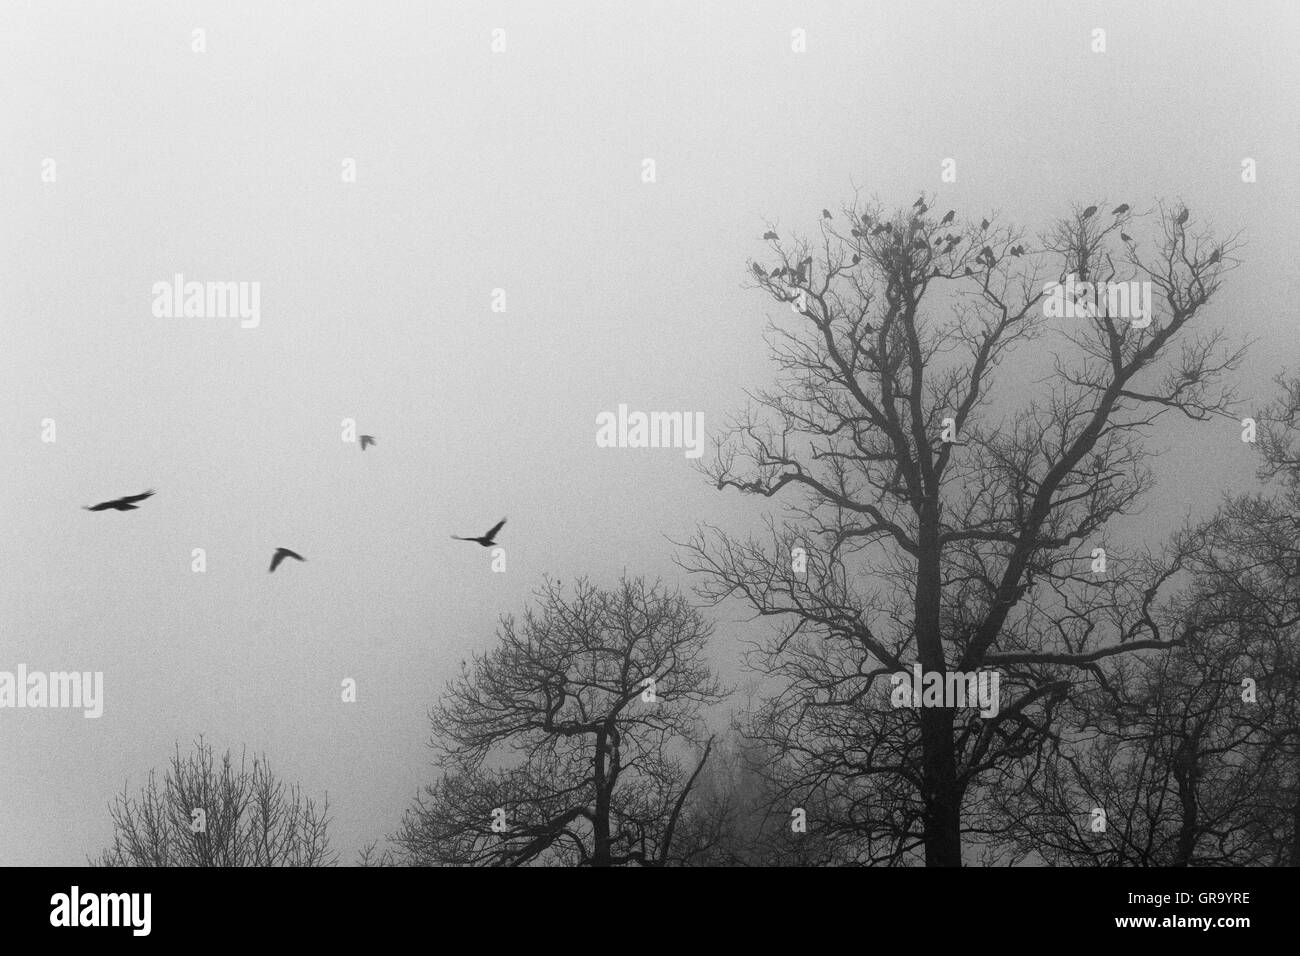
[[568, 743], [949, 453]]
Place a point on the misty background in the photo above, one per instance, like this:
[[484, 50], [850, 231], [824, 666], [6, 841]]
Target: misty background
[[521, 171]]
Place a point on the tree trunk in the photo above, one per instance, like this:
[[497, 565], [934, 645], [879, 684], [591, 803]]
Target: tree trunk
[[600, 855], [939, 790]]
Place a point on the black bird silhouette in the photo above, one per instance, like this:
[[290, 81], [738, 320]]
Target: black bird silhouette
[[919, 204], [758, 270], [856, 258], [1017, 250], [1120, 209], [770, 235], [488, 539], [367, 440], [1089, 211], [281, 554], [984, 225], [1182, 216], [1126, 237], [948, 217], [120, 504], [1214, 257], [826, 214]]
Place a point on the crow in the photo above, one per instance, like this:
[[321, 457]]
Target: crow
[[1214, 257], [281, 554], [1089, 211], [984, 225], [856, 258], [1120, 209], [1126, 237], [367, 440], [770, 235], [826, 214], [121, 504], [948, 217], [1182, 216], [488, 539]]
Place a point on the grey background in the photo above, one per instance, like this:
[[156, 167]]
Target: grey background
[[475, 171]]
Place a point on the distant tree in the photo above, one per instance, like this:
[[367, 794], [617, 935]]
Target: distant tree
[[566, 743], [948, 510], [1194, 754], [206, 813]]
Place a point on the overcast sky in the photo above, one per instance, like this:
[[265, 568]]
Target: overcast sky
[[522, 171]]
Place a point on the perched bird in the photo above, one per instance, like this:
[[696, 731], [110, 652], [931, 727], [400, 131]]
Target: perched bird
[[1182, 216], [1214, 257], [488, 539], [367, 440], [948, 217], [770, 235], [1126, 237], [120, 504], [856, 258], [281, 554], [855, 232], [919, 204], [970, 271], [758, 271], [1089, 211], [986, 253], [826, 214], [984, 225], [1120, 209], [1017, 250]]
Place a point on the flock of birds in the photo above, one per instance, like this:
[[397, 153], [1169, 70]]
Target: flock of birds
[[131, 503], [986, 256]]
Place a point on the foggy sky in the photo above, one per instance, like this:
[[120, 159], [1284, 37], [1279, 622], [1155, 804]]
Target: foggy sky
[[521, 171]]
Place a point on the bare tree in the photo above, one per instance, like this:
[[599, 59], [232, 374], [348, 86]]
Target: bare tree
[[206, 813], [564, 745], [949, 511]]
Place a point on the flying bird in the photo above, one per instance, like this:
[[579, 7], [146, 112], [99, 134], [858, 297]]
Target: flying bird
[[488, 539], [281, 554], [1089, 211], [770, 235], [1182, 216], [120, 504], [367, 440], [948, 217], [1120, 209]]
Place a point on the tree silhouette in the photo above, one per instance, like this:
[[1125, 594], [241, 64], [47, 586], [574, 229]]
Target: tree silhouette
[[206, 813], [948, 507], [565, 744]]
